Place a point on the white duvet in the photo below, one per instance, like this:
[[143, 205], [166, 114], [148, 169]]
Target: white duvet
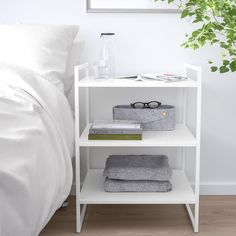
[[36, 145]]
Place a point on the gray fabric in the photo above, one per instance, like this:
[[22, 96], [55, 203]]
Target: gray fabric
[[158, 119], [138, 167], [111, 185]]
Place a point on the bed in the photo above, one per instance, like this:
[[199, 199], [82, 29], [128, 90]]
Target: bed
[[36, 128]]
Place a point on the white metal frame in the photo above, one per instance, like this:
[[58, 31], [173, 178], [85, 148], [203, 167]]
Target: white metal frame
[[85, 82], [194, 217], [80, 209]]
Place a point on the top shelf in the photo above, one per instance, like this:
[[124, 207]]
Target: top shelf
[[127, 83]]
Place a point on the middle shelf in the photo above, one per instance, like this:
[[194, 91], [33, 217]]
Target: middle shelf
[[180, 137]]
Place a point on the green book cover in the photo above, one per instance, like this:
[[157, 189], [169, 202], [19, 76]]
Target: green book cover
[[115, 136]]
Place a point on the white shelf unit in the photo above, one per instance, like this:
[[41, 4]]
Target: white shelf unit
[[91, 191]]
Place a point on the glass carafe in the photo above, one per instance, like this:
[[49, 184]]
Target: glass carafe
[[106, 67]]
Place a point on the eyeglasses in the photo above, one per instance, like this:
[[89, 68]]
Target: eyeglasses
[[142, 105]]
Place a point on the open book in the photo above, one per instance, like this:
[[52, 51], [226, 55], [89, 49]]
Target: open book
[[167, 78]]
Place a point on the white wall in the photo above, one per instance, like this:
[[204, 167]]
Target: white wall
[[145, 43]]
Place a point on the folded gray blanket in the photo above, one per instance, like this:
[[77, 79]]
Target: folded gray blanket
[[138, 167], [113, 185]]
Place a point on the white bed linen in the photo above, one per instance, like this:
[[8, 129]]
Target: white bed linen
[[36, 145]]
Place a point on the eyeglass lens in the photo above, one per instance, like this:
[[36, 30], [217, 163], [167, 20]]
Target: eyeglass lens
[[139, 105], [152, 105]]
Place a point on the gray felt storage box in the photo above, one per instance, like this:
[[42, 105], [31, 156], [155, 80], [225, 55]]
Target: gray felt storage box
[[158, 119]]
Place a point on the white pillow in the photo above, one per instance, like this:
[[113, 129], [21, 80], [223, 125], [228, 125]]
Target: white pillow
[[43, 49]]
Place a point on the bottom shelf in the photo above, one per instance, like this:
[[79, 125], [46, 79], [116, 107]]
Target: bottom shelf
[[93, 192]]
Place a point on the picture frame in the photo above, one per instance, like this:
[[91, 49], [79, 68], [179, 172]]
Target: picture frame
[[130, 6]]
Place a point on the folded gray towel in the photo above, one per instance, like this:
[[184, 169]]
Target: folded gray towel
[[138, 167], [113, 185]]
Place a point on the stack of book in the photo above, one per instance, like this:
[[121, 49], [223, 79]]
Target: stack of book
[[115, 130]]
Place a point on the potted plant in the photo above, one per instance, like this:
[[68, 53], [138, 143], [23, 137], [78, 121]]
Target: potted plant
[[216, 25]]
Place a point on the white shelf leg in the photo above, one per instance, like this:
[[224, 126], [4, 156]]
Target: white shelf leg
[[184, 121], [83, 213], [197, 190], [77, 151], [198, 137], [80, 212], [195, 217], [87, 107], [190, 213]]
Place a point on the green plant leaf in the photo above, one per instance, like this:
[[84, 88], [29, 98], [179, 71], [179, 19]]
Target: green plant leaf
[[184, 13], [214, 68], [224, 69], [225, 62], [233, 66]]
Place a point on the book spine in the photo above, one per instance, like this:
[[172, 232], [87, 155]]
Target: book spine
[[112, 131], [115, 137]]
